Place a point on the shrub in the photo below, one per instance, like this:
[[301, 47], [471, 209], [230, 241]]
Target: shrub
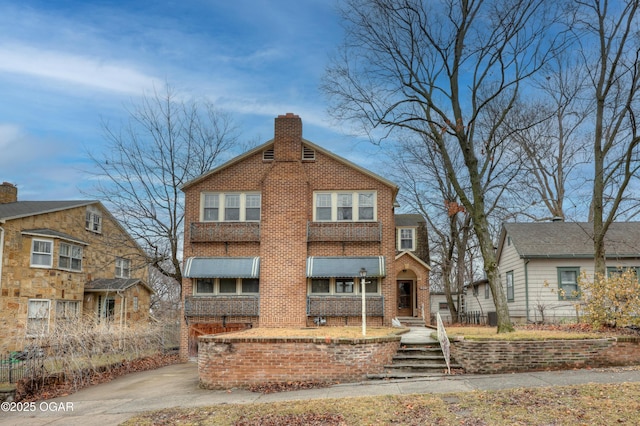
[[612, 301]]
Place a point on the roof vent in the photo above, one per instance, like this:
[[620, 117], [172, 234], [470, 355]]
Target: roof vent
[[308, 154], [557, 219], [267, 154]]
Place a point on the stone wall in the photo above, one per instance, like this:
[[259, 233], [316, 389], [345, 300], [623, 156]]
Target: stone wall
[[512, 356], [225, 363]]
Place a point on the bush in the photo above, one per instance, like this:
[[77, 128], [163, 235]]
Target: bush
[[612, 301]]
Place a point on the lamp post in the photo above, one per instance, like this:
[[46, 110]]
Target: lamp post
[[363, 275]]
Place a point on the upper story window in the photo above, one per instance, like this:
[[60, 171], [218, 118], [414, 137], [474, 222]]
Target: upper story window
[[123, 268], [406, 239], [344, 206], [231, 207], [41, 253], [70, 257], [93, 220]]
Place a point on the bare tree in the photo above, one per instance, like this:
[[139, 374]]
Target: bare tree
[[138, 174], [609, 49], [435, 69]]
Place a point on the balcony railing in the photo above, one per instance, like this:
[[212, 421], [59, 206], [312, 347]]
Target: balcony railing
[[344, 231], [206, 232], [217, 306], [344, 306]]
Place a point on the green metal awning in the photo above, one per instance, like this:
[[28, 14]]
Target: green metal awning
[[343, 266], [222, 267]]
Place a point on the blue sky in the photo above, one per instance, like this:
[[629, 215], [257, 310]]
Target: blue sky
[[67, 66]]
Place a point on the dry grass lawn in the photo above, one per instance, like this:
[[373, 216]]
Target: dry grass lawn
[[322, 332], [591, 404], [491, 333]]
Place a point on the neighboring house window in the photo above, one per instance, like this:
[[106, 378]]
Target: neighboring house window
[[612, 271], [123, 268], [406, 239], [475, 290], [93, 221], [67, 311], [510, 295], [344, 206], [568, 283], [221, 286], [337, 286], [231, 207], [135, 303], [41, 253], [38, 317], [487, 289], [70, 257], [443, 306]]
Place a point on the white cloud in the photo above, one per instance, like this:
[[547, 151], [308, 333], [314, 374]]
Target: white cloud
[[74, 69]]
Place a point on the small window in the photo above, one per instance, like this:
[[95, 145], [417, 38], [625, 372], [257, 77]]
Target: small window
[[135, 304], [344, 285], [123, 268], [308, 154], [443, 306], [487, 291], [41, 253], [38, 317], [568, 283], [320, 285], [204, 286], [227, 285], [345, 207], [510, 291], [371, 285], [250, 285], [406, 239], [70, 257], [93, 220], [211, 207]]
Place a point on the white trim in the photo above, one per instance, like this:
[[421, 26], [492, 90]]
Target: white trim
[[355, 205], [399, 238], [222, 195], [416, 258], [31, 252]]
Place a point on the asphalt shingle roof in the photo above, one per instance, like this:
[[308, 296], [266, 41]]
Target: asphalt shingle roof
[[409, 219], [110, 284], [572, 239], [20, 209]]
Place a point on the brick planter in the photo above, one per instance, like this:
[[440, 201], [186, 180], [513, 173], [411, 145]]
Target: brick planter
[[225, 362], [512, 356]]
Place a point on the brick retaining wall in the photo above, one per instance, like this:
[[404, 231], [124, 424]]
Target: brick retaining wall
[[511, 356], [225, 362]]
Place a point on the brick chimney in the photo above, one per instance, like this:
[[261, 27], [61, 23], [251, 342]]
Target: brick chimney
[[287, 144], [8, 193]]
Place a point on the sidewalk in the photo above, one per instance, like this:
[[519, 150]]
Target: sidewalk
[[177, 386]]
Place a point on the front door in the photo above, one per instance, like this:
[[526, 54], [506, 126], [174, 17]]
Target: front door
[[405, 298]]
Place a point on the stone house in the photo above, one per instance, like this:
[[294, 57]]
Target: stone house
[[277, 237], [61, 260], [540, 264]]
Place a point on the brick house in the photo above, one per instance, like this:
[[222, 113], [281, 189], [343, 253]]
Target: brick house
[[60, 260], [277, 236]]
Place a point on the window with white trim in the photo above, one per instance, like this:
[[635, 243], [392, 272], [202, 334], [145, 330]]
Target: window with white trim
[[231, 207], [70, 257], [123, 268], [38, 317], [344, 206], [41, 253], [226, 286], [93, 220], [406, 239], [342, 286]]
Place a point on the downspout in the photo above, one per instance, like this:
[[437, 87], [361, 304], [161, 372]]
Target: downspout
[[526, 286]]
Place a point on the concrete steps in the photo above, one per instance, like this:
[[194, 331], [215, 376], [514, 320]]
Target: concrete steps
[[418, 356]]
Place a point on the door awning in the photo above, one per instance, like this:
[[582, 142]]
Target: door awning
[[222, 267], [342, 266]]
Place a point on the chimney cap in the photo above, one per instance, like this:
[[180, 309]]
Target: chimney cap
[[288, 115]]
